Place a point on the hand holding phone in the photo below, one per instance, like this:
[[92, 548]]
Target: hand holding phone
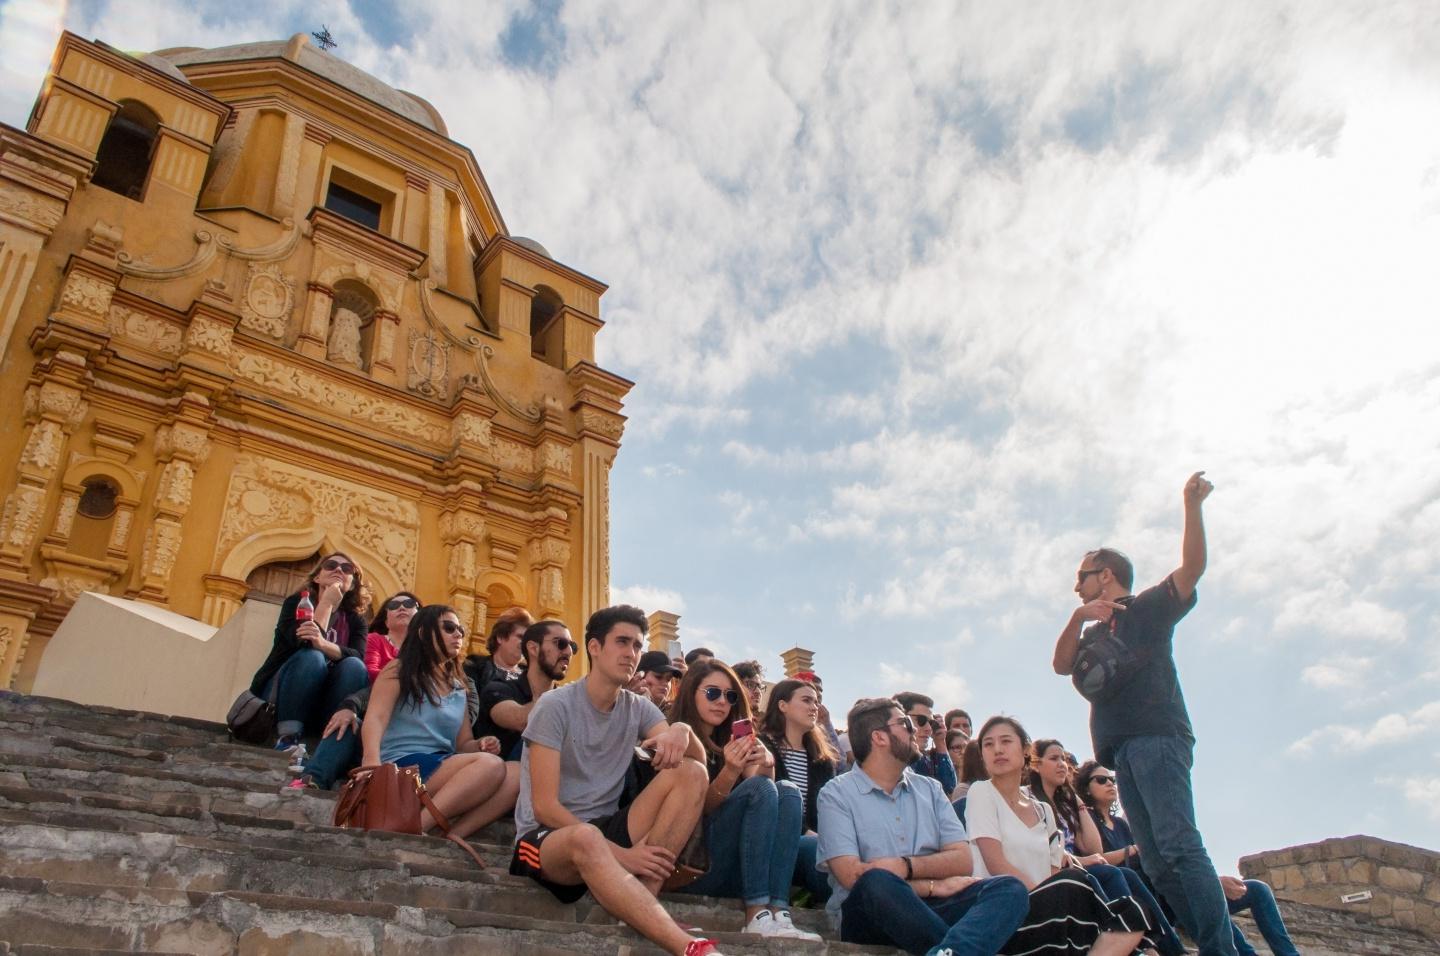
[[741, 728]]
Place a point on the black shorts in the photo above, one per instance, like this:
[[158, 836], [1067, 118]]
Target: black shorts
[[525, 861]]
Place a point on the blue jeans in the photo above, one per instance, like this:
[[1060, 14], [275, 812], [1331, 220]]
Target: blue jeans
[[806, 873], [1260, 901], [882, 910], [333, 759], [309, 688], [1160, 805], [1118, 881], [753, 838]]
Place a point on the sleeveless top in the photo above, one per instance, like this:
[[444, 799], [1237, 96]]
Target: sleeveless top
[[425, 728]]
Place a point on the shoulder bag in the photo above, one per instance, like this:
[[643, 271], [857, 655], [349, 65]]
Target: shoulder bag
[[390, 797]]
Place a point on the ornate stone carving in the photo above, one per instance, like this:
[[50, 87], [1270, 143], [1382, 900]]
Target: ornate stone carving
[[176, 482], [471, 428], [344, 343], [343, 401], [549, 551], [555, 456], [144, 330], [162, 546], [65, 514], [429, 365], [514, 456], [120, 533], [183, 439], [601, 422], [461, 572], [21, 520], [461, 526], [42, 451], [28, 209], [552, 590], [87, 294], [265, 495], [57, 401], [209, 335], [205, 248], [268, 300]]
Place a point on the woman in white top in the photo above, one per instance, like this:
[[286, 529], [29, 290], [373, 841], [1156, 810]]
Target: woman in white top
[[1014, 834]]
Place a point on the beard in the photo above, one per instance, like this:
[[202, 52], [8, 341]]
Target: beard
[[551, 667], [903, 751]]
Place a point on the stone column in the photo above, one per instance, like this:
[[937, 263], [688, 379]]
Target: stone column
[[223, 597], [439, 227], [462, 532], [664, 628], [382, 349], [316, 327], [797, 659], [180, 448], [287, 176]]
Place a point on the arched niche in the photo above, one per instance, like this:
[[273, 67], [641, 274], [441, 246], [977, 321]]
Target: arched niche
[[278, 544], [352, 324], [122, 163], [547, 331]]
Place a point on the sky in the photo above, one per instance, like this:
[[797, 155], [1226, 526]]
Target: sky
[[924, 300]]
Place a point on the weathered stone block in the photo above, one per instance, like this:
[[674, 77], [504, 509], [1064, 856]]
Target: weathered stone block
[[1402, 881]]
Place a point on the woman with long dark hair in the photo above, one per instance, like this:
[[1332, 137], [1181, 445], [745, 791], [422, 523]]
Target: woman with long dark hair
[[1013, 834], [417, 717], [315, 664], [752, 825], [1050, 781], [802, 754]]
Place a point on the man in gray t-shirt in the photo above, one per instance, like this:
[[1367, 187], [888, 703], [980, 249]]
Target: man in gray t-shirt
[[571, 835]]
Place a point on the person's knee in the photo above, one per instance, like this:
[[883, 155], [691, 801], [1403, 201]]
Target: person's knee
[[787, 790], [756, 789], [588, 847], [307, 660], [1007, 891], [350, 668], [877, 881], [690, 776]]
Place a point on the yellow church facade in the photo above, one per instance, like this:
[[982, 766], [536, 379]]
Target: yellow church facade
[[256, 306]]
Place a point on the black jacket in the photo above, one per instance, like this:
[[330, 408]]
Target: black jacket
[[286, 643], [821, 772]]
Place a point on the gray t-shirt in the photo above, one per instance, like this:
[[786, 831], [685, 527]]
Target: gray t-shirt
[[595, 749]]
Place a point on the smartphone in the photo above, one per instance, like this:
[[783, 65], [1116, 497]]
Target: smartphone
[[642, 754], [674, 650], [741, 728]]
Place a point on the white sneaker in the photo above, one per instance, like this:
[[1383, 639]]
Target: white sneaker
[[762, 924], [787, 929]]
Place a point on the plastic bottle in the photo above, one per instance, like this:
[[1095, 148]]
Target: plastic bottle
[[305, 610]]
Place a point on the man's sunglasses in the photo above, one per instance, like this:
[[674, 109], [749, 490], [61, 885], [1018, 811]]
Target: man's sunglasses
[[905, 722], [395, 604], [1080, 576], [335, 564], [450, 627], [935, 722], [713, 693], [1101, 778], [564, 643]]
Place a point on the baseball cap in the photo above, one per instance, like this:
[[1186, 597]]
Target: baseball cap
[[657, 662]]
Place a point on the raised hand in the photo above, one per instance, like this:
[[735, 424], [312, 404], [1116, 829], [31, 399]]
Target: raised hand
[[1197, 489]]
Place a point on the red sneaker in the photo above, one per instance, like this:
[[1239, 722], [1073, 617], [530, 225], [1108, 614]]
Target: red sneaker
[[703, 947]]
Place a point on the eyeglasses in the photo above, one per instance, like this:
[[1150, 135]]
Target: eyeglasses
[[753, 685], [562, 643], [1085, 573], [905, 722], [450, 627], [713, 693], [1101, 778], [334, 564], [395, 604]]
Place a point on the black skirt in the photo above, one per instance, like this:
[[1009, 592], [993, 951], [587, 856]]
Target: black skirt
[[1067, 915]]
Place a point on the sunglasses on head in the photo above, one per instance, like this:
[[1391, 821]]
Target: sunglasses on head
[[713, 693], [450, 627], [395, 604], [1101, 778], [335, 564]]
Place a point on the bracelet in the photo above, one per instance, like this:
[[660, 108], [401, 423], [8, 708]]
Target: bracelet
[[909, 868], [931, 894]]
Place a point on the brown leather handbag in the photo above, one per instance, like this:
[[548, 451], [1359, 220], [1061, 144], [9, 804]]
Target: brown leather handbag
[[390, 797]]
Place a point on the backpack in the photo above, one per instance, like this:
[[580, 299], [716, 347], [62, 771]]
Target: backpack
[[251, 719], [1104, 664]]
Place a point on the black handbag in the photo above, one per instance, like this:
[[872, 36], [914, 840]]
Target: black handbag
[[251, 719]]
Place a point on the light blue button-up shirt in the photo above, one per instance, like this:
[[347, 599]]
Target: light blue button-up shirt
[[858, 818]]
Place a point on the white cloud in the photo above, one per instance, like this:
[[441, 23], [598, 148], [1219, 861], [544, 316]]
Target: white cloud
[[649, 598], [1337, 672], [1423, 793], [1389, 729]]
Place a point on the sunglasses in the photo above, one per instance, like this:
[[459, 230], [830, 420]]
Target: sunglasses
[[1082, 575], [713, 693], [334, 564], [396, 604], [450, 627], [935, 722], [564, 643], [1101, 778], [905, 722]]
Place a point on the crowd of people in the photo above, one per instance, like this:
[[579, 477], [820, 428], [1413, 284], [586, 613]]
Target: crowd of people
[[659, 773]]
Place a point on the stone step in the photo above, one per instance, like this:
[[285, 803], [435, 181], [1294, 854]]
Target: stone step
[[1318, 931], [84, 915]]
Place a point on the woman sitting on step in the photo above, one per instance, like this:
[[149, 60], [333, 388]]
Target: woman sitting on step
[[802, 754], [752, 825], [315, 664], [1013, 834], [417, 717]]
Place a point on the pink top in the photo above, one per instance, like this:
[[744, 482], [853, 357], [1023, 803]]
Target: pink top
[[378, 652]]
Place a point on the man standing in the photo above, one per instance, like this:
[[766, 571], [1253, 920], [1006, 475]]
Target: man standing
[[932, 761], [579, 739], [1124, 663], [897, 855]]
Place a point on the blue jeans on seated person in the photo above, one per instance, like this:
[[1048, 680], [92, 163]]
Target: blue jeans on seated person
[[882, 910], [1159, 801], [1118, 881], [333, 759], [753, 838], [1260, 901], [807, 874], [309, 688]]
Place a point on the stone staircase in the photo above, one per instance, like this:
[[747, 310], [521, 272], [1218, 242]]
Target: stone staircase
[[133, 832]]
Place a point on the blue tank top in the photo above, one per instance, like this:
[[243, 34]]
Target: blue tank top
[[425, 728]]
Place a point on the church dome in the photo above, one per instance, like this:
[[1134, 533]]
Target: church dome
[[532, 245], [298, 50]]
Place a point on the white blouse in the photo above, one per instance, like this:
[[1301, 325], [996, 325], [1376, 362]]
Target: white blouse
[[1032, 850]]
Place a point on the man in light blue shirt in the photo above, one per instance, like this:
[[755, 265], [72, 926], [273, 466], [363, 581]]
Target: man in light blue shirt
[[897, 855]]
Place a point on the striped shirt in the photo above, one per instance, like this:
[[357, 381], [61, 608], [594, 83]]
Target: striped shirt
[[797, 771]]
